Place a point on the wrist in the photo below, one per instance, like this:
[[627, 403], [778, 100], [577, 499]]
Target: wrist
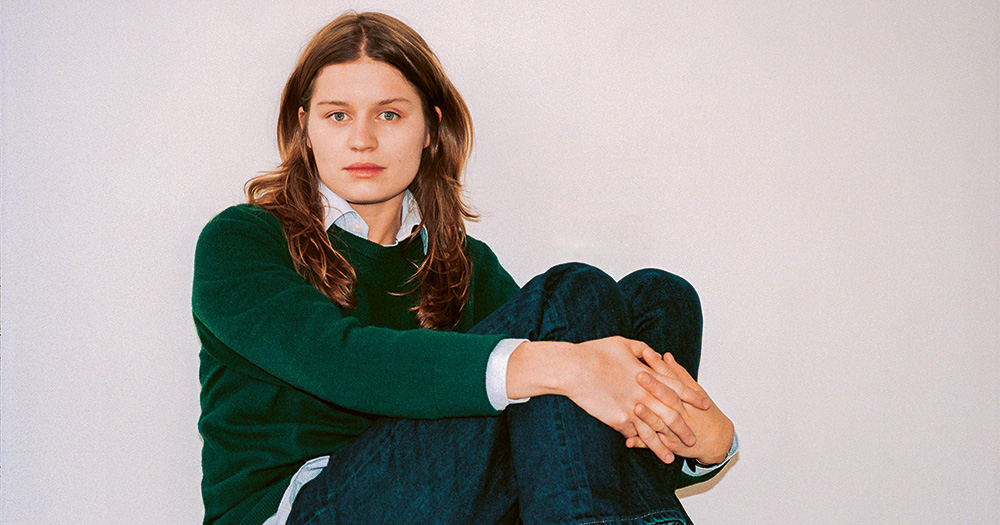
[[720, 444], [538, 368]]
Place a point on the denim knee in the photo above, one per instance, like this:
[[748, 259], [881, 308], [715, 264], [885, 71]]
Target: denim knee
[[584, 296], [650, 287], [666, 314], [589, 287]]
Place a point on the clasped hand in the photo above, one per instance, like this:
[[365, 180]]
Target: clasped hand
[[649, 399], [653, 402]]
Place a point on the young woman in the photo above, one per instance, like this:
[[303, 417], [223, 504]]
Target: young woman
[[365, 361]]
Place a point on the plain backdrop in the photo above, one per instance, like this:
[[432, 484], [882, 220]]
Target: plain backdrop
[[825, 175]]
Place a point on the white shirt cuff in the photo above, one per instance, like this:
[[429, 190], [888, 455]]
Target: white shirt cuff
[[496, 374], [694, 470]]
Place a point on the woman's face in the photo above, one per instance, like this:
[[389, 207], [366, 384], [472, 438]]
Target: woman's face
[[367, 130]]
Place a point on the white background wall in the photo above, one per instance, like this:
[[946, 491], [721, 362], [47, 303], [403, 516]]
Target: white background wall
[[827, 177]]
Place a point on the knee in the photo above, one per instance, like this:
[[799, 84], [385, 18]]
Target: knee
[[652, 288], [585, 290], [577, 271], [581, 279]]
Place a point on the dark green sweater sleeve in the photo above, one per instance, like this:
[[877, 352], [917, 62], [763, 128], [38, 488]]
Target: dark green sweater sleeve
[[262, 318]]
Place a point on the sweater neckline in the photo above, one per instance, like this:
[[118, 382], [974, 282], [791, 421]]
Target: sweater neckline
[[408, 249]]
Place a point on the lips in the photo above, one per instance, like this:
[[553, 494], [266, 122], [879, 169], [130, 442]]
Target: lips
[[364, 169]]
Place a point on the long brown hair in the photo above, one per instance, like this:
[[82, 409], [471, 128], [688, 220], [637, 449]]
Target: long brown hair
[[291, 191]]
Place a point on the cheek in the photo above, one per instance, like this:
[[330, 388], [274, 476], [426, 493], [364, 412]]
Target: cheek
[[322, 142], [412, 148], [327, 159]]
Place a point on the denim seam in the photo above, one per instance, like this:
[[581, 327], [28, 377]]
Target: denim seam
[[575, 467], [612, 520]]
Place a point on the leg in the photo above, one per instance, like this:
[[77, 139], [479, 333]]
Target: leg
[[448, 471], [666, 315], [460, 470], [571, 468], [547, 457]]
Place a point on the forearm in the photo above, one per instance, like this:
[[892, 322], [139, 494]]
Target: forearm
[[540, 368]]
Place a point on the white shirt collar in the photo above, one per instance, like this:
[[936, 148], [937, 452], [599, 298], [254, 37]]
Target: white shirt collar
[[338, 211]]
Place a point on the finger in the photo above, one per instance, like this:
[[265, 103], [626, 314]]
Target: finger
[[635, 442], [652, 440], [673, 444], [652, 358], [639, 348], [665, 404], [628, 431], [666, 421], [661, 387], [668, 359], [685, 386], [696, 389]]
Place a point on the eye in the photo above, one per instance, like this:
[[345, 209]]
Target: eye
[[338, 116], [389, 115]]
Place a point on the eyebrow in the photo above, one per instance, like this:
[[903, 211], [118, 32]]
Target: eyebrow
[[379, 103]]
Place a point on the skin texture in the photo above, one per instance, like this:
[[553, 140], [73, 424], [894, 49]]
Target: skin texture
[[367, 112]]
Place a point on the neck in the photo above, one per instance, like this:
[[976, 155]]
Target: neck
[[383, 219]]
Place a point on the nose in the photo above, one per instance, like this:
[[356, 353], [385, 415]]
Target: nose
[[362, 136]]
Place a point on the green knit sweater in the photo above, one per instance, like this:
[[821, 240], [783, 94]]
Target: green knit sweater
[[287, 375]]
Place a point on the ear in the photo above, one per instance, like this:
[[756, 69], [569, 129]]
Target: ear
[[302, 125], [427, 140]]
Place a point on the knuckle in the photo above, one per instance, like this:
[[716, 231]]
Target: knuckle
[[668, 395]]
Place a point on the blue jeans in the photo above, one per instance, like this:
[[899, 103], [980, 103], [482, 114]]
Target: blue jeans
[[544, 461]]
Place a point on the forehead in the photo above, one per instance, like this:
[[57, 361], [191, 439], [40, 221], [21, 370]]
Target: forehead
[[361, 82]]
